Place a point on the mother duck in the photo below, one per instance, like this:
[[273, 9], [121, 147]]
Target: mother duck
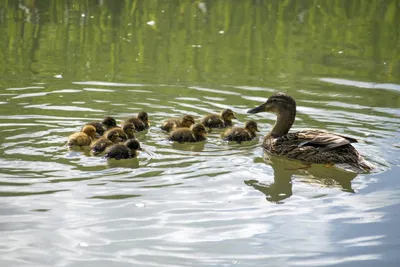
[[309, 146]]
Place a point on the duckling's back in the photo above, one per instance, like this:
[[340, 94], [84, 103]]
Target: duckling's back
[[79, 139], [213, 121], [182, 135]]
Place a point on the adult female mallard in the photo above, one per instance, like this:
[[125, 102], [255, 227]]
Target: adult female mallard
[[185, 122], [223, 120], [309, 146], [239, 134]]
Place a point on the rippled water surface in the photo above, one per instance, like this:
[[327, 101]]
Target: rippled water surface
[[64, 63]]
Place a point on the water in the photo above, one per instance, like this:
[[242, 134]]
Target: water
[[64, 63]]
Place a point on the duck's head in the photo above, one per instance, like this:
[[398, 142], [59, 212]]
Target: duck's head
[[89, 130], [251, 126], [276, 103], [109, 122], [143, 116], [129, 129], [228, 115], [188, 120], [113, 136], [133, 144], [199, 129]]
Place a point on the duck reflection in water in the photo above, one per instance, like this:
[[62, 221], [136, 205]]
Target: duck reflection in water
[[285, 170]]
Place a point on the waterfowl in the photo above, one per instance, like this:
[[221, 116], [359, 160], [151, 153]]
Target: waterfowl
[[219, 121], [184, 122], [239, 134], [141, 121], [124, 151], [82, 138], [104, 125], [309, 146], [196, 133], [100, 145], [124, 133]]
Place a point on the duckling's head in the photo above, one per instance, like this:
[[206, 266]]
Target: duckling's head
[[133, 144], [129, 129], [276, 103], [109, 122], [113, 136], [143, 116], [89, 130], [251, 126], [199, 129], [227, 115], [188, 120]]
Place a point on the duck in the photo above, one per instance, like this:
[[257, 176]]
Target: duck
[[100, 145], [127, 150], [239, 134], [104, 125], [141, 121], [311, 146], [196, 133], [124, 133], [222, 120], [185, 122], [82, 138]]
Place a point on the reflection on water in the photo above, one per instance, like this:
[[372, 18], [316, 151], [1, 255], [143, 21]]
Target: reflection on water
[[213, 203]]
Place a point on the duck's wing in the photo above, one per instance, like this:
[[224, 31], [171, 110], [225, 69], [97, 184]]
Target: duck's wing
[[322, 140]]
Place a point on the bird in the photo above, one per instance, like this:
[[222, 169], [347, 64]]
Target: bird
[[196, 133], [309, 146], [110, 138], [104, 125], [239, 134], [127, 150], [124, 133], [223, 120], [82, 138], [141, 121], [185, 122]]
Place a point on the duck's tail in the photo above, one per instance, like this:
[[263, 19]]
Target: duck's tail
[[362, 166]]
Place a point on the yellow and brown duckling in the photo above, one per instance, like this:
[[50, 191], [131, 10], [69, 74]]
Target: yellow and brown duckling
[[185, 122], [239, 134], [124, 151], [110, 138], [309, 146], [104, 125], [196, 133], [82, 138], [124, 133], [223, 120], [141, 121]]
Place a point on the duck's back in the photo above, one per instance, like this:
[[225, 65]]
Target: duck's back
[[119, 151], [79, 139], [238, 135], [98, 125], [213, 121], [139, 124], [170, 124], [100, 145], [182, 135]]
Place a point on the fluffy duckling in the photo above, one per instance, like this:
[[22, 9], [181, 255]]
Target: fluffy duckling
[[124, 151], [196, 133], [141, 121], [124, 133], [219, 121], [239, 134], [185, 122], [100, 145], [83, 138], [104, 125]]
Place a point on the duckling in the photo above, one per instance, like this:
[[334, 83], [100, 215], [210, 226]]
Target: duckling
[[83, 138], [106, 124], [141, 121], [124, 151], [196, 133], [239, 135], [124, 133], [309, 146], [185, 122], [219, 121], [100, 145]]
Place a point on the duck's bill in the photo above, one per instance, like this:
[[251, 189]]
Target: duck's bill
[[258, 109]]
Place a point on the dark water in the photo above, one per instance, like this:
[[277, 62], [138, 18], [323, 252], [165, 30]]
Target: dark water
[[63, 63]]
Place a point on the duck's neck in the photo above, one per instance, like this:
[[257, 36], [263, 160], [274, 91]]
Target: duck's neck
[[283, 123]]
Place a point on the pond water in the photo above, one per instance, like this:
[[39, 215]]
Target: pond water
[[64, 63]]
